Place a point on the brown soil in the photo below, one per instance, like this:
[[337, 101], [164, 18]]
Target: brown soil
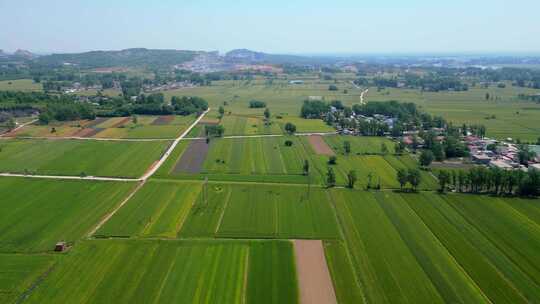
[[313, 276], [95, 122], [86, 132], [122, 122], [193, 158], [163, 120], [319, 145]]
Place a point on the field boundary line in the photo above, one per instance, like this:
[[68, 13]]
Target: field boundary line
[[85, 138], [267, 135], [360, 285], [229, 194], [110, 214], [18, 128], [72, 177], [246, 277]]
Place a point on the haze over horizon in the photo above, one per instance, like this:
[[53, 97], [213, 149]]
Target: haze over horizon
[[297, 27]]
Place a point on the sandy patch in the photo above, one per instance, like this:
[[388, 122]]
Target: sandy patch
[[319, 145], [313, 276]]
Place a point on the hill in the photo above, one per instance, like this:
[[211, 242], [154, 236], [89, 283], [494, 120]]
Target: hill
[[127, 58]]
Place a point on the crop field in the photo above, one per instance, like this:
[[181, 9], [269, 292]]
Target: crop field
[[360, 144], [248, 125], [380, 168], [159, 209], [444, 250], [116, 127], [76, 157], [18, 272], [174, 272], [26, 85], [35, 214], [176, 208]]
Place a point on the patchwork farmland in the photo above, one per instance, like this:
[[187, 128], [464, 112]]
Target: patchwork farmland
[[237, 219]]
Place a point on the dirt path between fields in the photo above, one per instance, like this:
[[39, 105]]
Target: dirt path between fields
[[319, 145], [313, 276]]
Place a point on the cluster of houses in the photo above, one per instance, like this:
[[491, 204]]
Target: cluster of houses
[[499, 154]]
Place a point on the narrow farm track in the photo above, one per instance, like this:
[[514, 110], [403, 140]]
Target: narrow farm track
[[90, 138], [149, 173], [143, 178], [18, 128], [266, 135]]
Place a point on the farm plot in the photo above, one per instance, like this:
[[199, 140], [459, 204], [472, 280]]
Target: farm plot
[[143, 271], [18, 272], [255, 159], [500, 279], [248, 125], [320, 146], [277, 212], [159, 209], [145, 127], [193, 158], [35, 214], [385, 266], [360, 144], [77, 157], [513, 233], [257, 211]]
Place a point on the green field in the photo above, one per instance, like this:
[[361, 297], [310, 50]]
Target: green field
[[35, 213], [172, 272], [360, 144], [175, 208], [18, 272], [432, 248], [76, 157], [26, 85], [159, 209]]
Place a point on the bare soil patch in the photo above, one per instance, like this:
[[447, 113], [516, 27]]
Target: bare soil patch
[[122, 122], [313, 276], [193, 158], [88, 132], [319, 145], [163, 120], [96, 122]]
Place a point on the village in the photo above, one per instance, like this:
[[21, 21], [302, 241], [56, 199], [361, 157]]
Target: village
[[482, 150]]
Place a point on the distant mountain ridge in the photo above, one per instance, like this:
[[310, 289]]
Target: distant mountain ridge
[[127, 57]]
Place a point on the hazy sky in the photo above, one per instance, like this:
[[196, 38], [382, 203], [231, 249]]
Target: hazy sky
[[278, 26]]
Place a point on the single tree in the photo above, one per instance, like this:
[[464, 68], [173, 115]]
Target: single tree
[[444, 179], [290, 128], [414, 178], [221, 111], [351, 178], [306, 167], [402, 177], [426, 157], [384, 149], [330, 177], [267, 114], [332, 160], [347, 147], [134, 119], [399, 147], [10, 124]]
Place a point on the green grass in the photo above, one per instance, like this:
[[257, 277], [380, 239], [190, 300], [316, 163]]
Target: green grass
[[346, 285], [107, 271], [359, 144], [498, 277], [385, 266], [159, 209], [27, 85], [272, 273], [35, 214], [73, 157], [277, 212], [18, 272]]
